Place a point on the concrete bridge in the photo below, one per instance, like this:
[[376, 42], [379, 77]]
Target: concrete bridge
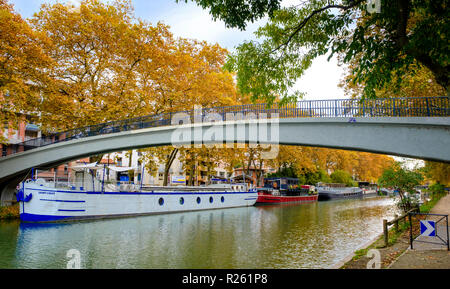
[[404, 132]]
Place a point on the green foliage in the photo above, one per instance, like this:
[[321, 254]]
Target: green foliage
[[342, 177], [400, 178], [437, 192], [304, 178], [404, 181], [437, 188], [387, 43], [312, 178], [285, 172]]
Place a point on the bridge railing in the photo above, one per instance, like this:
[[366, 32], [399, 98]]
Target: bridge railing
[[387, 107]]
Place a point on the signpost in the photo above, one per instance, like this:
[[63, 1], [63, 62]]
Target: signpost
[[428, 228]]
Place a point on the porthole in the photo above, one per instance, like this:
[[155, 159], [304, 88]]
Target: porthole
[[161, 201], [199, 200], [181, 201], [222, 199], [211, 200]]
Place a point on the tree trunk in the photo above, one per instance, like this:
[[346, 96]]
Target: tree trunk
[[96, 158], [191, 175], [130, 172], [168, 164]]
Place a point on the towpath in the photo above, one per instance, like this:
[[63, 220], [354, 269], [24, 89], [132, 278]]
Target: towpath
[[426, 255]]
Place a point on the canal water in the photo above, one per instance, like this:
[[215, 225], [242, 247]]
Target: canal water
[[315, 235]]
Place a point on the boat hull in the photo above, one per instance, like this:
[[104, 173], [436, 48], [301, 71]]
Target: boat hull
[[270, 199], [324, 196], [56, 205]]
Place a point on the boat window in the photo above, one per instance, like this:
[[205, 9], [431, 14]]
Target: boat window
[[211, 200], [181, 201], [161, 201], [199, 200], [222, 199]]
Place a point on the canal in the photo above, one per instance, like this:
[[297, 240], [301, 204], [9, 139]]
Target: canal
[[315, 235]]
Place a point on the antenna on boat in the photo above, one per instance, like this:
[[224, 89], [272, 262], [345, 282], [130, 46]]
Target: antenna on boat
[[142, 175]]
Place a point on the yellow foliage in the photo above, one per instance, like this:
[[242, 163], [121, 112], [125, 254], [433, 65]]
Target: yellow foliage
[[438, 172], [23, 66]]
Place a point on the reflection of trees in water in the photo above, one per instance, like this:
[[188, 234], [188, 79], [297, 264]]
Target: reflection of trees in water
[[314, 235]]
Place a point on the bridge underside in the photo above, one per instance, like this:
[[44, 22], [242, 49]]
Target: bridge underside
[[421, 137]]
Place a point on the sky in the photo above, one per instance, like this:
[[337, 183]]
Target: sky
[[188, 20]]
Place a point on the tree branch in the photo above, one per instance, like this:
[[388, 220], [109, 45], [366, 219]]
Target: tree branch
[[315, 12], [402, 24]]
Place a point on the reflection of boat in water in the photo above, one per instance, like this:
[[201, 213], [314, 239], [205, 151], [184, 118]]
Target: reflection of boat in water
[[285, 190], [43, 201], [338, 191]]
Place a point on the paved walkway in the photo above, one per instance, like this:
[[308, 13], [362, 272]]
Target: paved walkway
[[427, 255]]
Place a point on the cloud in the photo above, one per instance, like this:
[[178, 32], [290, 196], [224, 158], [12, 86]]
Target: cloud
[[321, 80], [188, 20]]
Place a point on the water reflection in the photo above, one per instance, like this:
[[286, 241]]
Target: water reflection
[[315, 235]]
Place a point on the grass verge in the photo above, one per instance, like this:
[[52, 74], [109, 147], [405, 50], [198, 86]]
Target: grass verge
[[10, 212]]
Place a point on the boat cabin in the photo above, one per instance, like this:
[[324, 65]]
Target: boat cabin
[[286, 186]]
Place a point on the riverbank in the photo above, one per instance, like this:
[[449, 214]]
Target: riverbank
[[10, 212], [397, 254], [306, 236]]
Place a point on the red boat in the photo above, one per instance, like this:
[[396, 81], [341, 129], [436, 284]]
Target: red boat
[[285, 190], [270, 199]]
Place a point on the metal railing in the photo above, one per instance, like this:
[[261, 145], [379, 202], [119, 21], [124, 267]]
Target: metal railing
[[387, 107]]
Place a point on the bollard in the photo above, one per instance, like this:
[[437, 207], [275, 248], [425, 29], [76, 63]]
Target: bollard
[[396, 222], [386, 233]]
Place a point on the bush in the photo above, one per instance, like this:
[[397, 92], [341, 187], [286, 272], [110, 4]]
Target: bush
[[342, 177], [437, 188], [10, 212]]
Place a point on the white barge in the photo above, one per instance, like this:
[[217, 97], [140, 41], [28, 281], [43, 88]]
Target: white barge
[[43, 201]]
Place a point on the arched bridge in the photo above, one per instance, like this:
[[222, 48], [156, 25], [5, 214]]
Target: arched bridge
[[410, 127]]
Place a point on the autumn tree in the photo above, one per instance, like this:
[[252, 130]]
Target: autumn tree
[[110, 66], [197, 160], [313, 164], [98, 50], [438, 172], [23, 68]]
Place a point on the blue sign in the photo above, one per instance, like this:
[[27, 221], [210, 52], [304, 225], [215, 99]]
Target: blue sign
[[427, 228]]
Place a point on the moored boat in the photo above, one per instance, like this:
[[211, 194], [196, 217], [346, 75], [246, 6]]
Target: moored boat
[[285, 190], [368, 189], [46, 201], [330, 192]]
